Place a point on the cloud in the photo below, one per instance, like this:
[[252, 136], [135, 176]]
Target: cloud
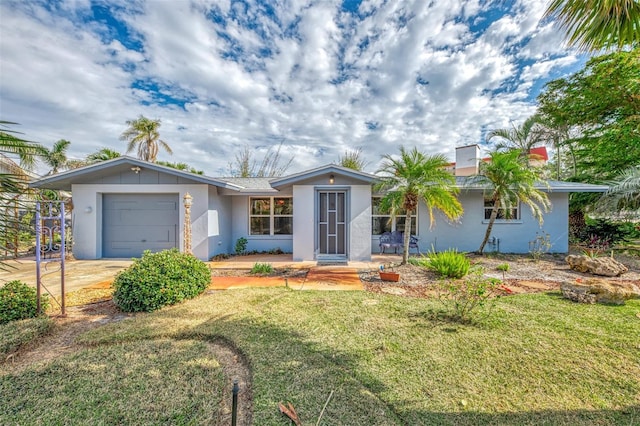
[[317, 77]]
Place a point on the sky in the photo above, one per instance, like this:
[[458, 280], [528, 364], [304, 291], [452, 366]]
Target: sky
[[317, 78]]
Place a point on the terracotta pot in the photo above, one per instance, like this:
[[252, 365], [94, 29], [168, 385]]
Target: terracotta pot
[[390, 276]]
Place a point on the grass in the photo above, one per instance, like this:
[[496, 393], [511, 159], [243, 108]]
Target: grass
[[389, 361], [15, 334]]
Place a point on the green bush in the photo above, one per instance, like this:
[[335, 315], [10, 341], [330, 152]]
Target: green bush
[[159, 279], [241, 245], [449, 263], [462, 298], [606, 230], [422, 261], [18, 301], [261, 268]]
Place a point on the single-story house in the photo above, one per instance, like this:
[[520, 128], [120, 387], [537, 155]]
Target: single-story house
[[124, 206]]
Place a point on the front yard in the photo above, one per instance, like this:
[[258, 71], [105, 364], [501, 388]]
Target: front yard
[[539, 359]]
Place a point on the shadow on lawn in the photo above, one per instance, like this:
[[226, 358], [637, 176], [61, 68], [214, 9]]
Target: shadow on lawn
[[624, 416], [287, 366]]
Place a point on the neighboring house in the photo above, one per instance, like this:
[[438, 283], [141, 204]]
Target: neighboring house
[[124, 206]]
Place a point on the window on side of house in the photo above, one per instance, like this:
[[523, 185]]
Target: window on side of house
[[503, 214], [271, 216], [382, 222]]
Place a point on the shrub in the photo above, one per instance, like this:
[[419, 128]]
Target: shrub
[[540, 245], [605, 230], [463, 297], [449, 263], [159, 279], [422, 261], [18, 301], [241, 245], [504, 268], [261, 268]]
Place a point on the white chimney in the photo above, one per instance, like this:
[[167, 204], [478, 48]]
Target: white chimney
[[467, 160]]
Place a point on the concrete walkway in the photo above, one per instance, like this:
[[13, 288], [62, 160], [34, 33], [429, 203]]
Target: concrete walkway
[[318, 278], [100, 273]]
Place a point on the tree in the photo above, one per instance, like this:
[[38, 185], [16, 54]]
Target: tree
[[414, 177], [13, 180], [595, 25], [352, 159], [523, 137], [180, 166], [271, 165], [624, 192], [103, 154], [25, 150], [600, 107], [56, 157], [143, 134], [507, 181]]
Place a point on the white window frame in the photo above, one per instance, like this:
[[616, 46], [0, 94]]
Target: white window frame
[[486, 211], [271, 215], [394, 223]]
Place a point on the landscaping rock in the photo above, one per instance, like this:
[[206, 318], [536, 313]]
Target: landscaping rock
[[599, 291], [605, 266]]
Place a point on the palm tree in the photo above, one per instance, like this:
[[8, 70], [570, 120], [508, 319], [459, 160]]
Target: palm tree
[[624, 192], [180, 166], [13, 180], [143, 133], [594, 25], [414, 177], [352, 159], [523, 137], [507, 181], [25, 150], [103, 154], [56, 158]]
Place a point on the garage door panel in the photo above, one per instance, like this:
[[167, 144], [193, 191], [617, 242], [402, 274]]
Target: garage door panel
[[148, 233], [133, 223], [137, 217], [125, 249]]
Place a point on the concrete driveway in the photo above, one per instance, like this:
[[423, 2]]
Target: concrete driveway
[[78, 273]]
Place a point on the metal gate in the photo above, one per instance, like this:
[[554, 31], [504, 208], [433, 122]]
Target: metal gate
[[50, 241]]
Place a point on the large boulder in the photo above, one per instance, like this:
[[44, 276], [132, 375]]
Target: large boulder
[[605, 266], [601, 291]]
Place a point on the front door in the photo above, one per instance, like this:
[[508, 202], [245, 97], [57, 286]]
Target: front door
[[332, 225]]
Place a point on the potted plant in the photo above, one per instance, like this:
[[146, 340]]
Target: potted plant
[[387, 274]]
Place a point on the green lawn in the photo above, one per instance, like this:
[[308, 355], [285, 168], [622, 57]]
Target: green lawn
[[538, 360]]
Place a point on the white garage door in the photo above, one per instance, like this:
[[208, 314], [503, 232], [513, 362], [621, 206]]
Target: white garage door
[[132, 223]]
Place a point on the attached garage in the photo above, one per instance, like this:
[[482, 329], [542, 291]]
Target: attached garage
[[133, 223]]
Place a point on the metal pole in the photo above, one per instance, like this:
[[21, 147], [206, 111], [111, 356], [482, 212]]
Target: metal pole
[[234, 403], [38, 230], [16, 236], [62, 255]]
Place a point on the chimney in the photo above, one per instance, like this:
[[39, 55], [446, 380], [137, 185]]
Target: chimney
[[467, 160]]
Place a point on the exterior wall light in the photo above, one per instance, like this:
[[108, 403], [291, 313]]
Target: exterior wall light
[[88, 209], [135, 169], [331, 179]]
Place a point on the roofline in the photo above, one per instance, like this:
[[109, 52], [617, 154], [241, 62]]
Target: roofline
[[141, 163], [549, 187], [286, 180]]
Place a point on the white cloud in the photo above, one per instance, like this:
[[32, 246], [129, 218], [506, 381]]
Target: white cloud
[[309, 74]]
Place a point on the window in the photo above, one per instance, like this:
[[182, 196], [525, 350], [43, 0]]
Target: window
[[271, 216], [511, 214], [382, 222]]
